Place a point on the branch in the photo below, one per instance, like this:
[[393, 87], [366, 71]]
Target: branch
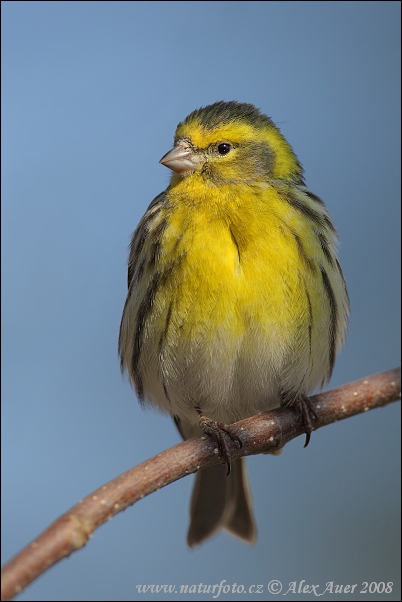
[[265, 432]]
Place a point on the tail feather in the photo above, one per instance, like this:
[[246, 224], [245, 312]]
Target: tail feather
[[221, 502]]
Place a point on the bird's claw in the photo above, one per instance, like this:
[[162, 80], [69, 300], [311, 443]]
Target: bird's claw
[[219, 432], [306, 414]]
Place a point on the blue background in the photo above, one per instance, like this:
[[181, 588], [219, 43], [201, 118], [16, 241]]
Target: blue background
[[92, 93]]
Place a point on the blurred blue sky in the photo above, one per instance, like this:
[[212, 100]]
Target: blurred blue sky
[[91, 95]]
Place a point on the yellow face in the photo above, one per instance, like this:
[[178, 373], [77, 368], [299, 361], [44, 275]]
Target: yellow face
[[245, 148]]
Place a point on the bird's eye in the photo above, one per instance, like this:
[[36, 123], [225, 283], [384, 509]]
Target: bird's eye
[[224, 148]]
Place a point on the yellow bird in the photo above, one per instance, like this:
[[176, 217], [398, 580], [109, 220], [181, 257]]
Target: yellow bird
[[236, 300]]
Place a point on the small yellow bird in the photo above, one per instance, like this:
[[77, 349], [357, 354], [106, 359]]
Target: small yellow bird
[[236, 300]]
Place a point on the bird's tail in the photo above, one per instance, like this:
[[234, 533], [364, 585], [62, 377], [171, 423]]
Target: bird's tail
[[222, 502]]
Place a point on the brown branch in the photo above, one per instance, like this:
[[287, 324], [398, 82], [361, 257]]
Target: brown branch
[[265, 432]]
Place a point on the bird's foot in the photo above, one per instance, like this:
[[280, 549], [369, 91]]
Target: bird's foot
[[306, 414], [220, 433]]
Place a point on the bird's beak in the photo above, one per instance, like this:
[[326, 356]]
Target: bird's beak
[[182, 158]]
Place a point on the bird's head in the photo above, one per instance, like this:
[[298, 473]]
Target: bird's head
[[229, 143]]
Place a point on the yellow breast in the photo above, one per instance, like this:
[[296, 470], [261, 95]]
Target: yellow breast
[[231, 317]]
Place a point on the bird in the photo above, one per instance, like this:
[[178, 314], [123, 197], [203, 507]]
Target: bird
[[236, 300]]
